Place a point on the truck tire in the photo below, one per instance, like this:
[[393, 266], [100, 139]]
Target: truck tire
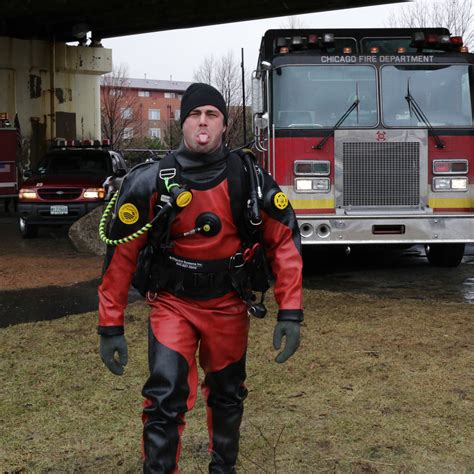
[[444, 255], [28, 231]]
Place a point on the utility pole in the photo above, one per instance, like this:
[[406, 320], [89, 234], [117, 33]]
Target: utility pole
[[243, 98]]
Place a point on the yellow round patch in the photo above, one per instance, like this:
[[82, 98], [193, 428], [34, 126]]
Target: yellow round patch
[[280, 200], [184, 199], [128, 213]]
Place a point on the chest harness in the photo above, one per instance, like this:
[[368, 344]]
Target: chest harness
[[246, 271]]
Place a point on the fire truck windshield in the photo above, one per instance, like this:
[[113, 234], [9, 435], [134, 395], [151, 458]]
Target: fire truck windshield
[[443, 93], [316, 96]]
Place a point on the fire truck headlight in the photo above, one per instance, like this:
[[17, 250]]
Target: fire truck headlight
[[450, 184], [302, 185], [28, 194], [441, 184], [94, 193], [313, 185], [321, 184], [459, 184]]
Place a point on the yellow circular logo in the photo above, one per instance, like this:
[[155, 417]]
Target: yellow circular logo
[[128, 213], [184, 199], [280, 200]]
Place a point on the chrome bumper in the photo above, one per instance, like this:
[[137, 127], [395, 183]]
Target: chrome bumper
[[412, 229]]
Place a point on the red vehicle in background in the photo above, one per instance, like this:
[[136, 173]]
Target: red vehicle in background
[[9, 171], [370, 133], [71, 180]]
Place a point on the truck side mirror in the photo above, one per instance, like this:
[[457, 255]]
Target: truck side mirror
[[261, 120], [257, 95]]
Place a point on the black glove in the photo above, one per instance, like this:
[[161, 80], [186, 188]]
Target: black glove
[[108, 346], [291, 331]]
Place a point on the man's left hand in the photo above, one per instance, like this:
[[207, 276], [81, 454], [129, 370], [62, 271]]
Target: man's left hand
[[291, 331]]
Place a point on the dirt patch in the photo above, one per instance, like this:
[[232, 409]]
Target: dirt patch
[[29, 271], [48, 260]]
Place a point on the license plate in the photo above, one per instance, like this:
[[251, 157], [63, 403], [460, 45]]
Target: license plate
[[58, 210]]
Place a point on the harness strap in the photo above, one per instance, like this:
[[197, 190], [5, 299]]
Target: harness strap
[[200, 266]]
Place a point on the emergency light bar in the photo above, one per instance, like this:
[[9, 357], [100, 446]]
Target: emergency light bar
[[433, 41], [61, 143], [285, 44]]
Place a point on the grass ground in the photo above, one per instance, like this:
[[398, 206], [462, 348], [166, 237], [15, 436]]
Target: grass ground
[[378, 385]]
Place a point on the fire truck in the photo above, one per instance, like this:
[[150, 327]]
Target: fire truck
[[370, 134], [9, 175]]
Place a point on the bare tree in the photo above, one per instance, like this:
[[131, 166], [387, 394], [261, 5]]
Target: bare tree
[[121, 115], [456, 15], [172, 133], [292, 23], [226, 76]]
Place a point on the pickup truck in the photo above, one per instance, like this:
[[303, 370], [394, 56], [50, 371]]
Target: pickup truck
[[69, 182]]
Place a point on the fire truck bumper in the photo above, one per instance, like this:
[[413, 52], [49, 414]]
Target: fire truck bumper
[[416, 229], [60, 214]]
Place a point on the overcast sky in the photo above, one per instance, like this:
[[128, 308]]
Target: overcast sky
[[177, 54]]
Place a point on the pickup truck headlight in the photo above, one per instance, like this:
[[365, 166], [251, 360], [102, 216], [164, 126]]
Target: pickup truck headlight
[[94, 193], [26, 193]]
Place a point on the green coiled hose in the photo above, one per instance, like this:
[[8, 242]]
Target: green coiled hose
[[124, 240]]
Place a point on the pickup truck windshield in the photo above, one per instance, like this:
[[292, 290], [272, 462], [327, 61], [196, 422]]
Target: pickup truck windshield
[[317, 96], [443, 92], [95, 163]]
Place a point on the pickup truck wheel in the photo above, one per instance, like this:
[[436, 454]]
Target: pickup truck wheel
[[444, 255], [28, 231]]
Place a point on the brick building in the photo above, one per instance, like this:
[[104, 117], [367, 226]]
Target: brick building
[[157, 102]]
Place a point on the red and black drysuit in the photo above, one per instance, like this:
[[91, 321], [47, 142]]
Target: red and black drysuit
[[199, 313]]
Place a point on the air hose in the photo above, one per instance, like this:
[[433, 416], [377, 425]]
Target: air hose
[[178, 196]]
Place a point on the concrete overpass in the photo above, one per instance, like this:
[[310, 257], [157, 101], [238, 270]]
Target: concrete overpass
[[54, 88], [65, 20]]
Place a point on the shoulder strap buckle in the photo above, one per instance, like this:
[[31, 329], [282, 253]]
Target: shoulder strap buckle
[[167, 173]]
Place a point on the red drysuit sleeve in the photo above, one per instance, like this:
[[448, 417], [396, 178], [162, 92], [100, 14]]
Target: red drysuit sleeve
[[282, 243], [138, 193]]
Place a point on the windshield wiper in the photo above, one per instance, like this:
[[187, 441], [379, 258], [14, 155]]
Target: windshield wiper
[[413, 104], [339, 122]]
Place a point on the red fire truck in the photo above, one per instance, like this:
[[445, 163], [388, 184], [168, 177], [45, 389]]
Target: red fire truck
[[371, 135], [9, 176]]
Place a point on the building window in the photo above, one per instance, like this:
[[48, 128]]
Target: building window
[[177, 114], [143, 93], [154, 114], [155, 133], [180, 96], [127, 133], [115, 92], [170, 95], [126, 112]]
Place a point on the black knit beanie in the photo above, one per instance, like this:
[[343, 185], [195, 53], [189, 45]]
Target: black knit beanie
[[199, 94]]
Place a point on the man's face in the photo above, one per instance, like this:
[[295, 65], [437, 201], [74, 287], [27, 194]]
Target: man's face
[[203, 129]]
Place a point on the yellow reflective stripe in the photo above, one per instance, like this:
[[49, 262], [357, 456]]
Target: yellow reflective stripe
[[451, 203], [313, 203]]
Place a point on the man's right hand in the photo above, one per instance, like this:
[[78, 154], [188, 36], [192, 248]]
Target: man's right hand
[[109, 345]]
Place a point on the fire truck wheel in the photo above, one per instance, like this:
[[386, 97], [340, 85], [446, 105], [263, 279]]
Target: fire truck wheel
[[445, 255], [28, 231]]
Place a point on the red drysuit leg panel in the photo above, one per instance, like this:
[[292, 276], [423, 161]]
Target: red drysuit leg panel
[[221, 325]]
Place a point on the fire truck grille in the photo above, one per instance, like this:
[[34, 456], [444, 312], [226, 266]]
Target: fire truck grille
[[381, 174], [59, 194]]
